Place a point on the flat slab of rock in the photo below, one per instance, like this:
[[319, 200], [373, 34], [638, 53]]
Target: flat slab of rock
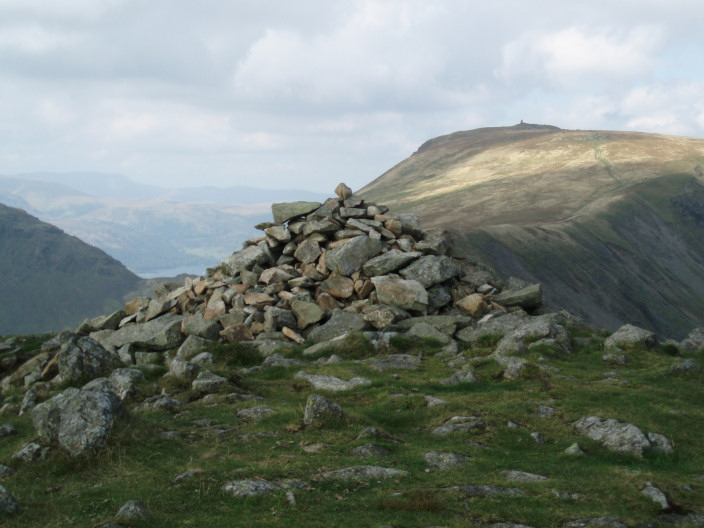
[[162, 333], [614, 435], [340, 323], [352, 255], [406, 294], [443, 459], [522, 476], [628, 336], [361, 473], [332, 383], [528, 297], [394, 361], [249, 487], [283, 212]]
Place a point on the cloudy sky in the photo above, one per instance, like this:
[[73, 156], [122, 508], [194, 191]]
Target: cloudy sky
[[305, 94]]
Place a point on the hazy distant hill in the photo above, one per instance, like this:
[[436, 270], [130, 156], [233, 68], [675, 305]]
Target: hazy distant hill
[[52, 280], [612, 223], [149, 229]]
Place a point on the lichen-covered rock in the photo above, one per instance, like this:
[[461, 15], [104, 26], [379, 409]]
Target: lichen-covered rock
[[352, 255], [133, 509], [529, 297], [361, 474], [207, 382], [321, 411], [8, 504], [694, 341], [124, 382], [249, 487], [405, 294], [443, 459], [78, 420], [332, 383], [340, 323], [81, 357], [389, 262], [628, 336], [614, 435], [430, 270], [162, 333]]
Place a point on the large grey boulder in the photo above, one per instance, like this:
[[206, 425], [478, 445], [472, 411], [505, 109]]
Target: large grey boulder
[[124, 382], [158, 334], [406, 294], [614, 435], [83, 358], [628, 336], [332, 383], [193, 345], [78, 420], [352, 255], [195, 325], [430, 270]]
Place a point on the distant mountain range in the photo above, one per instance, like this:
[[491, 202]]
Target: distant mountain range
[[52, 280], [152, 230], [612, 223]]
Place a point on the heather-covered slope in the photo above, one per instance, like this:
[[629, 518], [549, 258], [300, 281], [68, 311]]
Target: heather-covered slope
[[52, 280], [609, 222]]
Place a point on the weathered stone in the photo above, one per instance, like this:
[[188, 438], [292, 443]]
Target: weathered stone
[[196, 325], [254, 413], [394, 361], [274, 275], [332, 383], [628, 335], [522, 476], [430, 270], [596, 522], [31, 452], [427, 331], [389, 262], [277, 318], [162, 333], [293, 336], [134, 306], [654, 493], [381, 315], [406, 294], [321, 411], [361, 474], [124, 382], [473, 305], [307, 251], [279, 233], [459, 424], [83, 358], [133, 509], [182, 369], [410, 224], [694, 341], [249, 487], [483, 490], [208, 383], [193, 345], [464, 375], [343, 191], [283, 212], [323, 225], [529, 297], [245, 259], [78, 421], [443, 459], [8, 504], [237, 332], [306, 313], [340, 323], [614, 435], [661, 443], [350, 256], [338, 286], [438, 297]]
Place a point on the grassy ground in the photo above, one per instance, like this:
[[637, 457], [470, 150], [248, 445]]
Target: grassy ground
[[138, 463]]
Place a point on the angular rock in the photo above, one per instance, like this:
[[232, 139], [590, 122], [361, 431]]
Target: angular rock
[[628, 336], [133, 509], [473, 305], [332, 383], [654, 493], [340, 323], [389, 262], [31, 452], [483, 490], [254, 413], [83, 358], [529, 297], [193, 345], [196, 325], [78, 420], [522, 476], [614, 435], [249, 487], [443, 459], [337, 286], [245, 259], [124, 382], [307, 251], [406, 294], [430, 270], [306, 313], [162, 333], [350, 256], [321, 411], [283, 212], [394, 361], [8, 504], [694, 341], [207, 383], [370, 450], [182, 369]]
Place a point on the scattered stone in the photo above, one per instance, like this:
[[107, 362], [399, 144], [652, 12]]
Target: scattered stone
[[442, 459], [522, 476], [371, 450], [537, 437], [361, 474], [31, 452], [694, 342], [464, 375], [613, 434], [7, 471], [249, 487], [574, 450], [320, 411], [254, 413], [654, 493], [463, 424], [545, 412], [332, 383], [434, 402], [133, 509], [627, 336], [7, 430], [186, 476], [483, 490], [124, 382], [394, 361], [661, 443], [600, 522], [207, 383], [8, 504]]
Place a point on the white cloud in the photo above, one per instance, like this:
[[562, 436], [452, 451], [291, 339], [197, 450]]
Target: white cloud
[[571, 57]]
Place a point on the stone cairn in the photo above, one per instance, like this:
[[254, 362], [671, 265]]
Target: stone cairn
[[319, 271]]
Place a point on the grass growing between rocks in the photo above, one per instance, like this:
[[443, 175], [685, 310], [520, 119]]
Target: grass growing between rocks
[[149, 449]]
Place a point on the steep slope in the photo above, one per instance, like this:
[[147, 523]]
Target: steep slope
[[610, 222], [52, 280]]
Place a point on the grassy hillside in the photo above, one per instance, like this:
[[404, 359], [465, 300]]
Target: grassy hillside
[[52, 280], [610, 222]]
